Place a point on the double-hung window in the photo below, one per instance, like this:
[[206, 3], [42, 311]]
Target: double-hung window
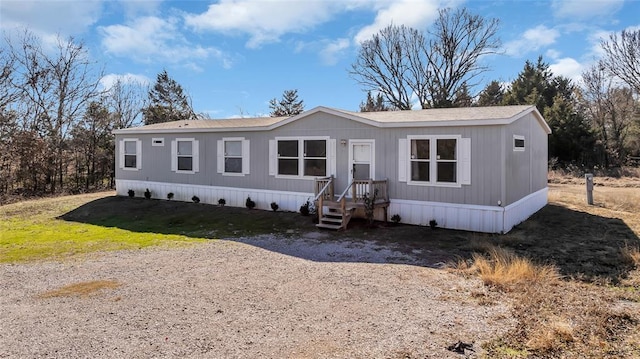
[[184, 155], [300, 157], [233, 156], [434, 160], [130, 154], [314, 157]]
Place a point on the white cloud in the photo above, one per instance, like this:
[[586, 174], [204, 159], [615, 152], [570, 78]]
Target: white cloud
[[532, 40], [553, 54], [584, 10], [333, 50], [264, 22], [412, 13], [568, 67], [44, 17], [107, 81], [152, 39], [136, 8]]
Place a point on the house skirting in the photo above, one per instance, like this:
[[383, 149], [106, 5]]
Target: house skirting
[[488, 219], [234, 197]]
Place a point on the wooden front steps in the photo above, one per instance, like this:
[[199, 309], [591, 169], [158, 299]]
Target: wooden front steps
[[340, 209], [334, 219]]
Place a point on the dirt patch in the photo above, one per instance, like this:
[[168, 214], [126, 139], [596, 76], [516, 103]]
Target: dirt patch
[[83, 289]]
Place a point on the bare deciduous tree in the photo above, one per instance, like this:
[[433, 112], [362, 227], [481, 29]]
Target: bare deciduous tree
[[54, 88], [404, 64], [611, 111], [622, 57], [125, 100]]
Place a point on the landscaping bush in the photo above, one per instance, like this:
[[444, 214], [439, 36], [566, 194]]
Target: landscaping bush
[[170, 195], [222, 202], [131, 193], [396, 218], [249, 203], [147, 194], [433, 224], [274, 206], [195, 199], [304, 209]]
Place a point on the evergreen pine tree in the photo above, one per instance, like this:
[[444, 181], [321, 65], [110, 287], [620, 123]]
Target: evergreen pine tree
[[289, 105], [373, 104], [167, 102]]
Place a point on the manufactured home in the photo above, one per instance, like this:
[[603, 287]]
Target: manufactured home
[[479, 169]]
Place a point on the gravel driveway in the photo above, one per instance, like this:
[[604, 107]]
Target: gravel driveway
[[252, 298]]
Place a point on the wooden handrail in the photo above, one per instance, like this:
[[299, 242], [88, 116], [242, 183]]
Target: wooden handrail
[[344, 193], [328, 185]]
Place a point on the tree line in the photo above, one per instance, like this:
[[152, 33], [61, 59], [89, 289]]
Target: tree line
[[56, 118], [595, 123]]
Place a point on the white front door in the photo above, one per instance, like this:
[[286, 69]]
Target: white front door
[[361, 159]]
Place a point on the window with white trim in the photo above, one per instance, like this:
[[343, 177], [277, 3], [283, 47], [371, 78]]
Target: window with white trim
[[301, 157], [518, 143], [184, 155], [233, 156], [434, 160], [130, 154]]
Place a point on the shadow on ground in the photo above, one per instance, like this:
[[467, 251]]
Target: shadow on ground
[[581, 245]]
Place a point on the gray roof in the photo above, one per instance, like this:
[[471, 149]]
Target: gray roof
[[429, 117]]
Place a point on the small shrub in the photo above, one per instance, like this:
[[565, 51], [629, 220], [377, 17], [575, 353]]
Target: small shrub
[[170, 195], [131, 193], [396, 218], [304, 209], [222, 202], [147, 194], [369, 206], [274, 206], [433, 224], [195, 199], [249, 203]]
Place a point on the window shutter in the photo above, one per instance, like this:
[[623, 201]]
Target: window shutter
[[332, 157], [220, 165], [174, 155], [245, 157], [273, 157], [465, 161], [196, 156], [403, 157], [121, 154], [138, 154]]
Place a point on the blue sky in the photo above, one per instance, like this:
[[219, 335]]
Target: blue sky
[[233, 56]]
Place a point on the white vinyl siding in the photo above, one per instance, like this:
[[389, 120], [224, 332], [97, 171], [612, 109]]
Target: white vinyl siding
[[305, 157], [233, 156], [185, 156], [130, 154], [434, 160]]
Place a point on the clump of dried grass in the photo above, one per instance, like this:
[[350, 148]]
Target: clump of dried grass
[[631, 255], [504, 270], [80, 289]]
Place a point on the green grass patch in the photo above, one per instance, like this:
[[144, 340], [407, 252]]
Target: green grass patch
[[36, 230], [56, 228]]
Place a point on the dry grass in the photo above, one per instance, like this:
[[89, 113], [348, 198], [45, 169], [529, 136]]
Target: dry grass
[[632, 254], [504, 270], [594, 315], [83, 289]]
